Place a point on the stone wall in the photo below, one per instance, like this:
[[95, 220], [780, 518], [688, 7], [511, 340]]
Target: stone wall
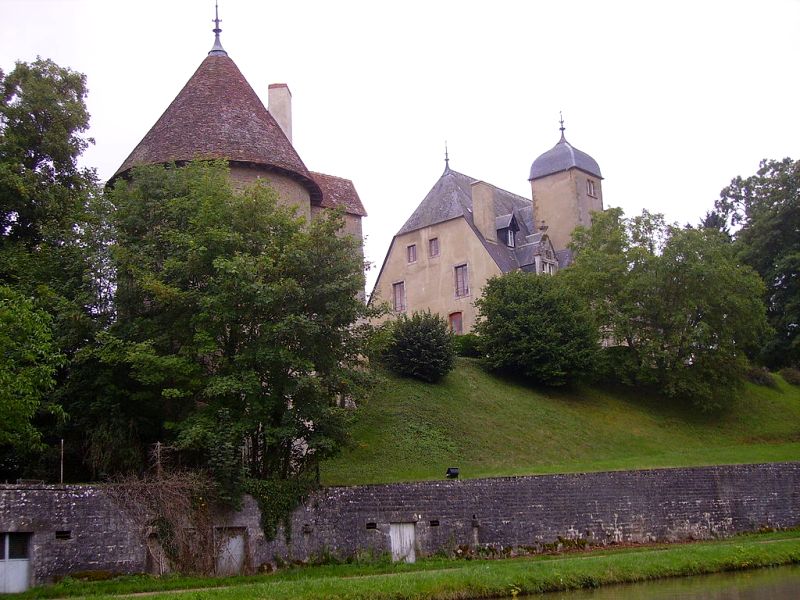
[[75, 528], [602, 508]]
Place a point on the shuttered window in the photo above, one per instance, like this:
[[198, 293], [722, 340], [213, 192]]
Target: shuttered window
[[462, 281], [411, 253], [433, 247], [399, 296]]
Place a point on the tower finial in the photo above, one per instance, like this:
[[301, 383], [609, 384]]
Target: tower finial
[[446, 158], [217, 49], [561, 120]]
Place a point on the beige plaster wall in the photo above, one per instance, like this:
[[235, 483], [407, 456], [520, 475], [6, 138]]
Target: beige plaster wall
[[291, 192], [562, 202], [430, 281]]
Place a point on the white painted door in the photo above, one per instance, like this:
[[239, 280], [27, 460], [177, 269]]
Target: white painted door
[[403, 540], [15, 564], [230, 560]]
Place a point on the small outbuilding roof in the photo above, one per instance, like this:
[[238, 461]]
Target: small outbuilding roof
[[337, 191]]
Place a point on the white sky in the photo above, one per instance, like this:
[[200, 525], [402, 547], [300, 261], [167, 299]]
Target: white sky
[[673, 99]]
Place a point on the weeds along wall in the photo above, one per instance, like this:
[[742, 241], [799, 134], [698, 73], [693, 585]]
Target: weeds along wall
[[81, 528]]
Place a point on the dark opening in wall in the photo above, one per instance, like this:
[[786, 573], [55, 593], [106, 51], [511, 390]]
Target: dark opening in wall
[[435, 523], [63, 535], [372, 525]]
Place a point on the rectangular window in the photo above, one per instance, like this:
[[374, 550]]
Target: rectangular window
[[411, 252], [590, 188], [462, 281], [399, 297], [18, 545], [433, 247], [510, 238], [456, 323]]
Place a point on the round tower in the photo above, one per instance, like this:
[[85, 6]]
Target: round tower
[[566, 186]]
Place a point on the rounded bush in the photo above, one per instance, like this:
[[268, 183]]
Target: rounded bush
[[421, 346]]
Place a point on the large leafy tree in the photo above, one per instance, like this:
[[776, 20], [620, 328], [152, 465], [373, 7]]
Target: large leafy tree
[[677, 308], [533, 325], [50, 234], [766, 209], [237, 321]]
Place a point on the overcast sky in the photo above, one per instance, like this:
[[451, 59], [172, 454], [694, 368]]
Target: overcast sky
[[673, 99]]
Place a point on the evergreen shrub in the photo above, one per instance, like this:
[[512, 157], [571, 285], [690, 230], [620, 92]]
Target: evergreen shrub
[[791, 375], [761, 376], [421, 346], [468, 345]]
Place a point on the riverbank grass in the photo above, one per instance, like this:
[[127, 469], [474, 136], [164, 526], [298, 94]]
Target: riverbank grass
[[448, 579]]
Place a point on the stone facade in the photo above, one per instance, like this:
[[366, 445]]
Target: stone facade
[[601, 508]]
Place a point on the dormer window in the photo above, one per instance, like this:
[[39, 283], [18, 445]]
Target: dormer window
[[510, 238], [590, 188]]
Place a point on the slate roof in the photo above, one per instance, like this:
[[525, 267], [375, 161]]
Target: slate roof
[[451, 198], [561, 157], [218, 115], [337, 191]]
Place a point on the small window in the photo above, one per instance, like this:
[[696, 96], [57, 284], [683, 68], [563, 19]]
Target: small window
[[435, 523], [462, 281], [433, 247], [411, 253], [456, 323], [399, 297], [510, 238], [590, 188], [372, 525], [63, 535], [18, 545]]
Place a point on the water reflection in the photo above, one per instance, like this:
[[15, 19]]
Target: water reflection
[[781, 583]]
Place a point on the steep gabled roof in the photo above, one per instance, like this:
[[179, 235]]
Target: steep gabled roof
[[337, 191], [451, 198], [217, 115]]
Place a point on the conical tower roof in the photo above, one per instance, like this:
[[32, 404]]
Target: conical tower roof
[[562, 157], [217, 115]]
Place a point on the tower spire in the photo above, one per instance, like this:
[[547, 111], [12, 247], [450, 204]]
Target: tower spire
[[561, 120], [446, 158], [217, 49]]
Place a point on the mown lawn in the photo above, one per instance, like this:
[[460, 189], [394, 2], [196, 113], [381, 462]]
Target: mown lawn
[[490, 426], [446, 579]]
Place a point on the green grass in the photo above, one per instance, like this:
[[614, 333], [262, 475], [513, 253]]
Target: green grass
[[490, 426], [442, 579]]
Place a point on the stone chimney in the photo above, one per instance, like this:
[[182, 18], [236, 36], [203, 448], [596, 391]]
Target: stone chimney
[[280, 107], [483, 210]]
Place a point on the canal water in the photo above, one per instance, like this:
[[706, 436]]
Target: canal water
[[779, 583]]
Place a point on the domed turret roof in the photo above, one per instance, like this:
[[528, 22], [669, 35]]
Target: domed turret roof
[[217, 115], [561, 157]]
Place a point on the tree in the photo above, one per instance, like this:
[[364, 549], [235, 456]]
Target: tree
[[535, 326], [234, 313], [766, 207], [679, 309], [50, 231], [421, 347], [27, 370]]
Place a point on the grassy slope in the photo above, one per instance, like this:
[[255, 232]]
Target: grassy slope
[[489, 426]]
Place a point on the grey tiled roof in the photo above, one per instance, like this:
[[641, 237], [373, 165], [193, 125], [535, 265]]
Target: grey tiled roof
[[451, 198], [561, 157]]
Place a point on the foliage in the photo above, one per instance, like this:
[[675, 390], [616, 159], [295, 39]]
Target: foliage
[[238, 322], [761, 376], [27, 369], [467, 345], [766, 207], [791, 375], [277, 499], [677, 299], [535, 326], [178, 508], [51, 224], [421, 347]]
